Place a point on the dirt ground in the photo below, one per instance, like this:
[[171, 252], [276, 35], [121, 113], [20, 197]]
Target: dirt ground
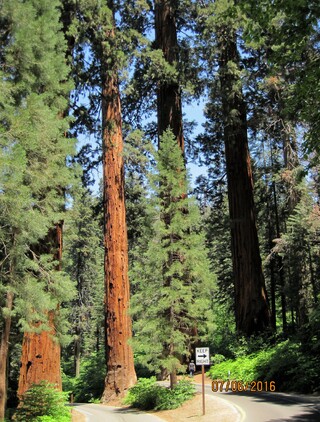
[[192, 410], [77, 416]]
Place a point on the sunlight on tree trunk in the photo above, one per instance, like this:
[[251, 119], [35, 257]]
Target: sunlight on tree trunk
[[119, 355], [40, 356]]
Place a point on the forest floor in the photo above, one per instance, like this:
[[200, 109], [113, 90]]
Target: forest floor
[[191, 410]]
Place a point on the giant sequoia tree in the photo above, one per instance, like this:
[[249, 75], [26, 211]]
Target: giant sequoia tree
[[34, 175], [252, 314], [251, 305], [120, 369]]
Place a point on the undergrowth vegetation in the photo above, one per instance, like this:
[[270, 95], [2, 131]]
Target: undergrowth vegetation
[[43, 403], [88, 387], [287, 363], [146, 395]]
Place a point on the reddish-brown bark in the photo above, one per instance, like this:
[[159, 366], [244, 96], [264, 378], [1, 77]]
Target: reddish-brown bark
[[4, 347], [119, 355], [40, 356], [169, 92], [251, 305]]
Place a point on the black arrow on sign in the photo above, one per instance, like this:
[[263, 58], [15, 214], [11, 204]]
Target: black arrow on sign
[[202, 356]]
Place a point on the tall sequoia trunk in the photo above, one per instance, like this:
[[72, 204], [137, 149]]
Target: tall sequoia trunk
[[40, 357], [251, 305], [4, 348], [119, 356], [169, 92]]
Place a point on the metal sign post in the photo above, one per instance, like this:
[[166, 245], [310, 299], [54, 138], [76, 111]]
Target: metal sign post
[[203, 358]]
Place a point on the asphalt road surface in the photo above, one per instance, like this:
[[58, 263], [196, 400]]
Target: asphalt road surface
[[100, 413], [253, 407], [272, 407]]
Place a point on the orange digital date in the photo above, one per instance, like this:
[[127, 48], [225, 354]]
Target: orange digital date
[[239, 386]]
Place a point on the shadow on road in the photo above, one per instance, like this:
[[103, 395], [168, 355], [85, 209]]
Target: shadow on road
[[308, 416], [309, 404]]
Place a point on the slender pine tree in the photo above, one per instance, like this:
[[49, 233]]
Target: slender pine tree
[[171, 277]]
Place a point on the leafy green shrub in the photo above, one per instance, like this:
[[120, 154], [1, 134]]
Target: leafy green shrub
[[68, 384], [43, 403], [146, 394], [171, 399], [217, 358]]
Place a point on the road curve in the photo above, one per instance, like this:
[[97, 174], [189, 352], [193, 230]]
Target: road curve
[[101, 413], [272, 407], [253, 407]]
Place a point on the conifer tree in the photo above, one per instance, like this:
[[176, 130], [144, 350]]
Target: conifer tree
[[251, 305], [34, 173], [171, 277]]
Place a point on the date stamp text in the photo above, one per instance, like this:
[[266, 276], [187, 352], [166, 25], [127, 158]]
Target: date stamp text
[[239, 386]]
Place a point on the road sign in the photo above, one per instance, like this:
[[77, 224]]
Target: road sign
[[202, 356]]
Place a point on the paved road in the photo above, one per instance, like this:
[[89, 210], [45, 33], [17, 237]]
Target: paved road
[[254, 407], [272, 407], [100, 413]]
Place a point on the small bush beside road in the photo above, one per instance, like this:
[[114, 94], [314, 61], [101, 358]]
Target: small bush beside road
[[147, 395]]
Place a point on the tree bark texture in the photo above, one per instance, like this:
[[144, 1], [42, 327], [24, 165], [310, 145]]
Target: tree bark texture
[[4, 348], [169, 92], [251, 305], [40, 356], [40, 359], [118, 329]]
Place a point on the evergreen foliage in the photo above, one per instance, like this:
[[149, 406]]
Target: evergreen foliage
[[43, 403], [88, 386], [171, 277], [35, 173], [33, 156]]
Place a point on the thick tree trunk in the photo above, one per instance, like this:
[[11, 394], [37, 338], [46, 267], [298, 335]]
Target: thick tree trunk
[[252, 310], [40, 359], [169, 93], [119, 356], [4, 348], [40, 356]]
